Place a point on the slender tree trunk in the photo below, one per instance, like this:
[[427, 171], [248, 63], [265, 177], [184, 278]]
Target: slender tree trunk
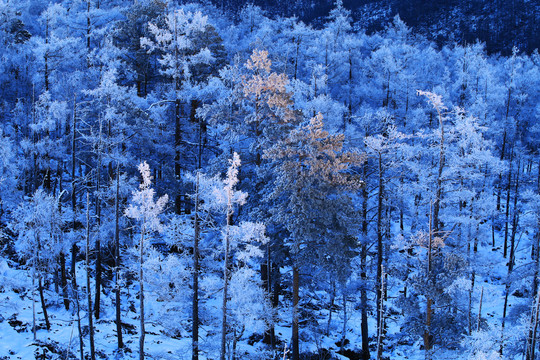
[[79, 326], [515, 217], [43, 304], [531, 340], [480, 309], [98, 237], [469, 312], [177, 137], [226, 275], [438, 191], [507, 210], [380, 258], [505, 306], [330, 310], [380, 317], [296, 290], [141, 292], [117, 259], [63, 279], [73, 188], [88, 288], [34, 328], [196, 254], [363, 273], [345, 320], [196, 270], [427, 334]]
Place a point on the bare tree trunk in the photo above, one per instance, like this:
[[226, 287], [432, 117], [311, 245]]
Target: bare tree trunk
[[380, 317], [345, 319], [438, 191], [225, 283], [379, 283], [480, 310], [88, 289], [196, 255], [507, 210], [79, 327], [469, 312], [63, 279], [296, 288], [196, 270], [531, 340], [330, 310], [98, 237], [74, 211], [117, 259], [43, 304], [34, 329], [363, 272], [141, 292], [427, 333], [515, 218]]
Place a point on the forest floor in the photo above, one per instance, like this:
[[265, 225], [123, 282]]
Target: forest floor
[[62, 341]]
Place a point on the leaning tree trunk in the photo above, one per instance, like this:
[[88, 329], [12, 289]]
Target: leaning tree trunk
[[43, 304]]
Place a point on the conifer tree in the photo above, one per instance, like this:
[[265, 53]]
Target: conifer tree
[[309, 194]]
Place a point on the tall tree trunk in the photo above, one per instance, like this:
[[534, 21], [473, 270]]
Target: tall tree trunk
[[141, 292], [98, 237], [88, 288], [363, 273], [177, 137], [74, 227], [117, 259], [196, 255], [438, 190], [380, 317], [531, 340], [380, 250], [296, 290], [196, 270], [226, 274], [507, 210], [427, 333], [79, 326], [515, 217]]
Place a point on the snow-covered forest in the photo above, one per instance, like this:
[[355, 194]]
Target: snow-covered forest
[[179, 181]]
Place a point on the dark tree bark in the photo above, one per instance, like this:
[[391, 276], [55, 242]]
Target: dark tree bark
[[117, 260], [88, 288]]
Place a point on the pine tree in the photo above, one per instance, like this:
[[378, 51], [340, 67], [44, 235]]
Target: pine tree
[[309, 194]]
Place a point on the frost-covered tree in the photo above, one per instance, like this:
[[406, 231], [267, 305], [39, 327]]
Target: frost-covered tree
[[145, 210], [181, 53], [309, 194], [39, 224]]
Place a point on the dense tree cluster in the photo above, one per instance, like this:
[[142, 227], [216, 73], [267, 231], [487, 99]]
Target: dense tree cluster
[[307, 180]]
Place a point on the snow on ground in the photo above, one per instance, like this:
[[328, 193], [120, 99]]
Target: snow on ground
[[16, 338]]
